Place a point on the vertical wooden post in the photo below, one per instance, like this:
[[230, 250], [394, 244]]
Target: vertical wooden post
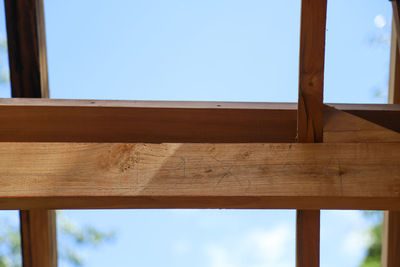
[[391, 219], [310, 116], [28, 72], [26, 39], [396, 19], [38, 236], [394, 69]]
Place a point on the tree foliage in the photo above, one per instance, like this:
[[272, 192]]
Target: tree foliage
[[373, 256], [4, 73]]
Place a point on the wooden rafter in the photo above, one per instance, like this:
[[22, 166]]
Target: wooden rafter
[[344, 127], [390, 239], [115, 175], [38, 231], [396, 18], [200, 175], [27, 48], [128, 173], [28, 72], [51, 120], [391, 221], [394, 70], [310, 116]]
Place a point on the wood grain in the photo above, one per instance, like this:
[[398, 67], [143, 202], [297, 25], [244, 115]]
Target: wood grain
[[27, 48], [311, 76], [391, 240], [391, 221], [196, 175], [343, 127], [396, 17], [38, 244], [307, 229], [394, 70], [121, 122], [29, 78], [52, 120], [310, 115]]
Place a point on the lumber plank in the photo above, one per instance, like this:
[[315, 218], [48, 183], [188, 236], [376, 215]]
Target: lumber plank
[[307, 228], [343, 127], [311, 76], [390, 238], [391, 221], [27, 48], [310, 116], [29, 78], [200, 175], [38, 244], [54, 120], [394, 70], [396, 18], [131, 121]]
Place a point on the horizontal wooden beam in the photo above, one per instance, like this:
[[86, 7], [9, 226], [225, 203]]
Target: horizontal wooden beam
[[385, 115], [151, 122], [297, 176], [49, 120], [343, 127]]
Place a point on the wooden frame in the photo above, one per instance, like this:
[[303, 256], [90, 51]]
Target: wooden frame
[[133, 154], [28, 72]]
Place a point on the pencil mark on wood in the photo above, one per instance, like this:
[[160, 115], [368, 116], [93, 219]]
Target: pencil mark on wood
[[227, 167], [226, 173]]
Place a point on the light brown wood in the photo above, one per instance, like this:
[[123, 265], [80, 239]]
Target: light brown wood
[[52, 120], [391, 240], [396, 17], [28, 71], [307, 228], [391, 221], [394, 70], [343, 127], [26, 48], [309, 116], [154, 122], [38, 237], [311, 77], [196, 175], [42, 48]]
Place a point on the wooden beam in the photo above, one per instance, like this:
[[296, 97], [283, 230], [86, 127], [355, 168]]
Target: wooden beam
[[37, 242], [390, 236], [155, 122], [343, 127], [385, 115], [396, 17], [311, 77], [391, 221], [310, 114], [28, 72], [69, 175], [27, 48], [394, 70], [307, 229], [52, 120]]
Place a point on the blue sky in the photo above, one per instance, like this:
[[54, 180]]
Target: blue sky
[[212, 50]]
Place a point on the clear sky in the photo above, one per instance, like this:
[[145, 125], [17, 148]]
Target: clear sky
[[220, 50]]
